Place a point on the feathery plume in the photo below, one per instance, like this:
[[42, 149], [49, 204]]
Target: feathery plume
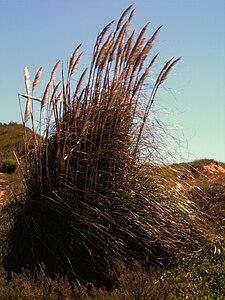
[[103, 32], [72, 59], [55, 103], [81, 80], [165, 74], [46, 93], [74, 66], [36, 79], [27, 110], [165, 70], [27, 80], [54, 71], [123, 16]]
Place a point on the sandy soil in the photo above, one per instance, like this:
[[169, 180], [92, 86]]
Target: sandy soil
[[213, 169], [2, 192]]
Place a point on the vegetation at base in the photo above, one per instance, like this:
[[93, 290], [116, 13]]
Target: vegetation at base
[[200, 276]]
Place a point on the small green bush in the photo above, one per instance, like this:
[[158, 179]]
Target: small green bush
[[9, 166], [201, 276]]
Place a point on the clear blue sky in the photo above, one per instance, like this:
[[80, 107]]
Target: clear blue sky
[[38, 33]]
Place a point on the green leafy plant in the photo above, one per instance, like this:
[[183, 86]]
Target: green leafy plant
[[9, 166]]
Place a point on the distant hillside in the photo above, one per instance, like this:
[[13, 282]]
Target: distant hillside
[[204, 183], [199, 167], [11, 139]]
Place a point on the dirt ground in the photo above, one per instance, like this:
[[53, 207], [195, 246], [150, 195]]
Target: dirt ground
[[2, 189]]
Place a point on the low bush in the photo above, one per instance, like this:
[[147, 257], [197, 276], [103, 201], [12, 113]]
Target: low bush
[[9, 166], [201, 276]]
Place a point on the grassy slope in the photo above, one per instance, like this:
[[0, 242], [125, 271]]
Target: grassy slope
[[202, 275], [205, 185], [11, 141]]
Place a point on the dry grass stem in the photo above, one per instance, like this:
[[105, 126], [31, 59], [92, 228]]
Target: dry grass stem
[[31, 97]]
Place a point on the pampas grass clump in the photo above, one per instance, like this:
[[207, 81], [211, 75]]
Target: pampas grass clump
[[89, 202]]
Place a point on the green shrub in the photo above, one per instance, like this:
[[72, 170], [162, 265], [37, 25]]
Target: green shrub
[[201, 276], [9, 165]]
